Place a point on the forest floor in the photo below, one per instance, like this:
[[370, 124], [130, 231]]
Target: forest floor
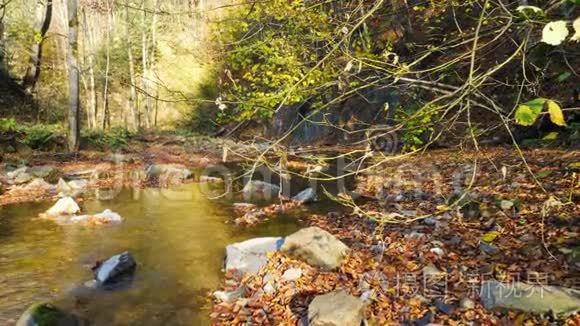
[[515, 226]]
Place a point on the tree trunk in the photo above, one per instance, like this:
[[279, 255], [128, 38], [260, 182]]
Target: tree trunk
[[105, 110], [92, 92], [133, 91], [145, 76], [3, 69], [151, 68], [43, 19], [74, 94]]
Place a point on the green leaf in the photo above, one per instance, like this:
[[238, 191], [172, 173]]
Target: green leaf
[[563, 76], [543, 174], [556, 114], [527, 113], [551, 136]]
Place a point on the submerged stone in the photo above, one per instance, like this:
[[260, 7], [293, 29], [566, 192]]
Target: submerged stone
[[106, 217], [46, 314]]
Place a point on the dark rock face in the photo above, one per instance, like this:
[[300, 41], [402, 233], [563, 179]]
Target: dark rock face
[[306, 126], [116, 271]]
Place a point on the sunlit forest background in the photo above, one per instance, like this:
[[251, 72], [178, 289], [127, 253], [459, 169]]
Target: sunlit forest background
[[439, 70]]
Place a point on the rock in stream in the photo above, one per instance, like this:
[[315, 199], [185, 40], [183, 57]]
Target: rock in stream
[[115, 271]]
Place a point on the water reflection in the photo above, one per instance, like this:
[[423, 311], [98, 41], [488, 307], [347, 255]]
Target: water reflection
[[177, 236]]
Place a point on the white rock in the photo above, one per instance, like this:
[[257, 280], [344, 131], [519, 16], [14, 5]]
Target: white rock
[[229, 296], [64, 206], [106, 217], [62, 186], [249, 256], [19, 176], [506, 205], [437, 251], [269, 288], [292, 274]]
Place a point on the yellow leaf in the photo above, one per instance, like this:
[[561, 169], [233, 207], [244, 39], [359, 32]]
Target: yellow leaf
[[490, 236], [556, 114]]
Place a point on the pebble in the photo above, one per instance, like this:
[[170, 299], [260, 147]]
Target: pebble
[[437, 251], [466, 303], [444, 307], [506, 205], [489, 249], [455, 240], [431, 270], [269, 288], [430, 221], [292, 274]]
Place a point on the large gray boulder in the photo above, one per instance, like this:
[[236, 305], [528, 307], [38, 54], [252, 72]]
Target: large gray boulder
[[558, 301], [46, 314], [336, 309], [249, 256], [260, 190], [317, 247]]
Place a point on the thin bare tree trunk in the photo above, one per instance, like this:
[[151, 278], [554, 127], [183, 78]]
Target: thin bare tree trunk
[[3, 69], [74, 91], [43, 16], [132, 91], [145, 76], [92, 93], [105, 110]]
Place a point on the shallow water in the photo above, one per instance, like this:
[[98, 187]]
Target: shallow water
[[176, 235]]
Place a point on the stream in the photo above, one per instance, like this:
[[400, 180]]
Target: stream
[[177, 236]]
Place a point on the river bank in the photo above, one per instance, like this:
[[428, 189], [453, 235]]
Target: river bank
[[445, 228]]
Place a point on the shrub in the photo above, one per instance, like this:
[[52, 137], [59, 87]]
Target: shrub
[[115, 139]]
